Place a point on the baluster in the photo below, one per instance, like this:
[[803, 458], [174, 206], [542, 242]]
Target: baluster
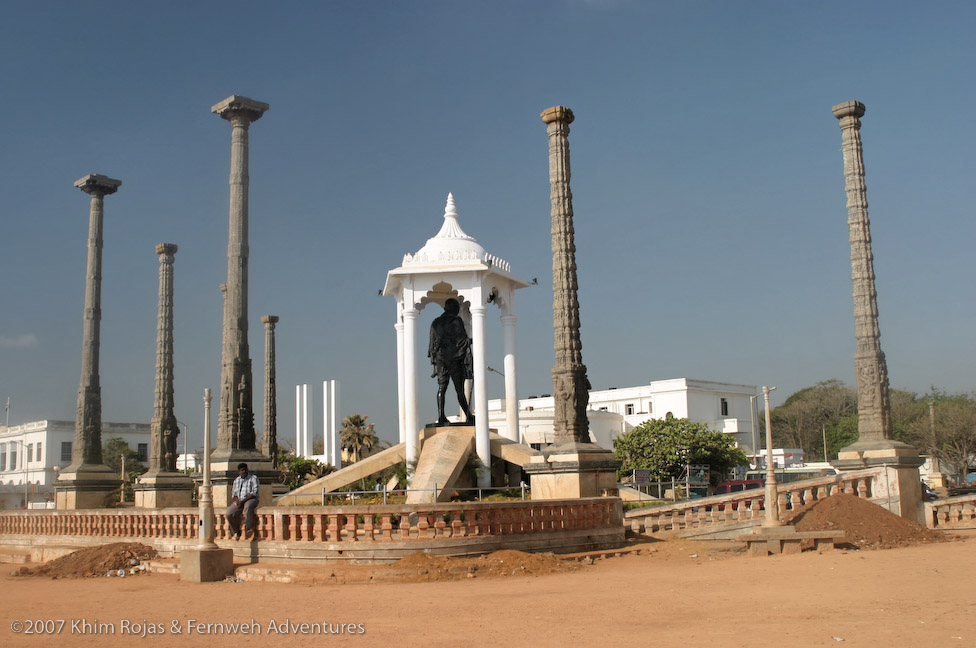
[[404, 526], [334, 527], [369, 524]]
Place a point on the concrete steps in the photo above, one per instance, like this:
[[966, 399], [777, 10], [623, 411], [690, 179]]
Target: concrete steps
[[14, 556]]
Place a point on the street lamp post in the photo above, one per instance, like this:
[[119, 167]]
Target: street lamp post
[[755, 429], [772, 501], [206, 536]]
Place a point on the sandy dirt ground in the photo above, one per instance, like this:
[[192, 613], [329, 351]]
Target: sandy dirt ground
[[675, 593]]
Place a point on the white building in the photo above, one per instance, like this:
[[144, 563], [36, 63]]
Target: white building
[[725, 407], [32, 455]]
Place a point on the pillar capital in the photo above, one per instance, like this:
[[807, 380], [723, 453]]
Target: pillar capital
[[238, 107], [558, 114], [849, 112], [94, 183], [166, 248], [270, 319]]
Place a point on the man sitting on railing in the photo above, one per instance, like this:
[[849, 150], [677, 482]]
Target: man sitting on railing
[[245, 499]]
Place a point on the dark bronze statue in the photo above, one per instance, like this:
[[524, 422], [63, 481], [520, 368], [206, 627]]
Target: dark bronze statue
[[450, 353]]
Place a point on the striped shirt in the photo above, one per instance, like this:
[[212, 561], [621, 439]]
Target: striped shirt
[[244, 486]]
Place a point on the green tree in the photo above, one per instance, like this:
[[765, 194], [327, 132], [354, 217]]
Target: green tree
[[667, 446], [297, 471], [357, 438], [807, 415], [946, 429], [114, 449]]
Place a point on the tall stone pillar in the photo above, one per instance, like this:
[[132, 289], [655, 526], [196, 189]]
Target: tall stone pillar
[[270, 390], [235, 431], [87, 481], [571, 466], [875, 446], [163, 485]]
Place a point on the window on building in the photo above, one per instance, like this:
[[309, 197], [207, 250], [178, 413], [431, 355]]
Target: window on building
[[143, 451], [39, 456], [725, 407], [629, 408], [30, 452], [13, 458], [3, 456], [66, 451]]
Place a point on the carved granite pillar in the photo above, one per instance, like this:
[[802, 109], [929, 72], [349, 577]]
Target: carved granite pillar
[[270, 390], [164, 428], [874, 411], [236, 441], [87, 481], [236, 420], [571, 466], [900, 491], [570, 385], [87, 449], [164, 486]]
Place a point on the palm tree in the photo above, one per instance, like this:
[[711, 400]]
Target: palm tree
[[357, 438]]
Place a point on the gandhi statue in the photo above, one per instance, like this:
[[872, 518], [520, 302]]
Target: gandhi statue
[[450, 353]]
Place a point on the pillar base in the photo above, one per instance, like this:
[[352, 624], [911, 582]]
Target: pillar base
[[206, 565], [88, 486], [900, 488], [223, 472], [163, 490], [573, 470]]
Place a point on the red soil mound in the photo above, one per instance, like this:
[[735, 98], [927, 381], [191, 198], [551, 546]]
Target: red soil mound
[[867, 525], [94, 561]]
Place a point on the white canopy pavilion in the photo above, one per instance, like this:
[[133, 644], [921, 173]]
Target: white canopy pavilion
[[453, 264]]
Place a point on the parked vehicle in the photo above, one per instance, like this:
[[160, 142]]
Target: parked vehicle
[[738, 485]]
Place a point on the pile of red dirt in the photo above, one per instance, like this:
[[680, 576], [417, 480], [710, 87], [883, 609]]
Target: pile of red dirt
[[867, 525], [94, 561], [425, 567]]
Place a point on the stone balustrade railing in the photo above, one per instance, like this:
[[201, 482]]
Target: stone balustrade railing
[[951, 513], [748, 505], [365, 523]]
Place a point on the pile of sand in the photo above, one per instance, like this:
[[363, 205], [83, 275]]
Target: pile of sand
[[420, 567], [867, 525], [94, 561]]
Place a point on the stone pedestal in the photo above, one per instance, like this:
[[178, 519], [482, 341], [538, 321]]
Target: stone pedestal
[[900, 490], [572, 470], [206, 565], [223, 472], [443, 456], [163, 490], [89, 487]]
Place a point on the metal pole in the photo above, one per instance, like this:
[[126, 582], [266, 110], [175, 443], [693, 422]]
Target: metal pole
[[121, 488], [755, 429], [772, 502], [184, 444], [823, 430], [23, 452], [206, 523]]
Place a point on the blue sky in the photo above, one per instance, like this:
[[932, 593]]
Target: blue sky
[[707, 177]]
